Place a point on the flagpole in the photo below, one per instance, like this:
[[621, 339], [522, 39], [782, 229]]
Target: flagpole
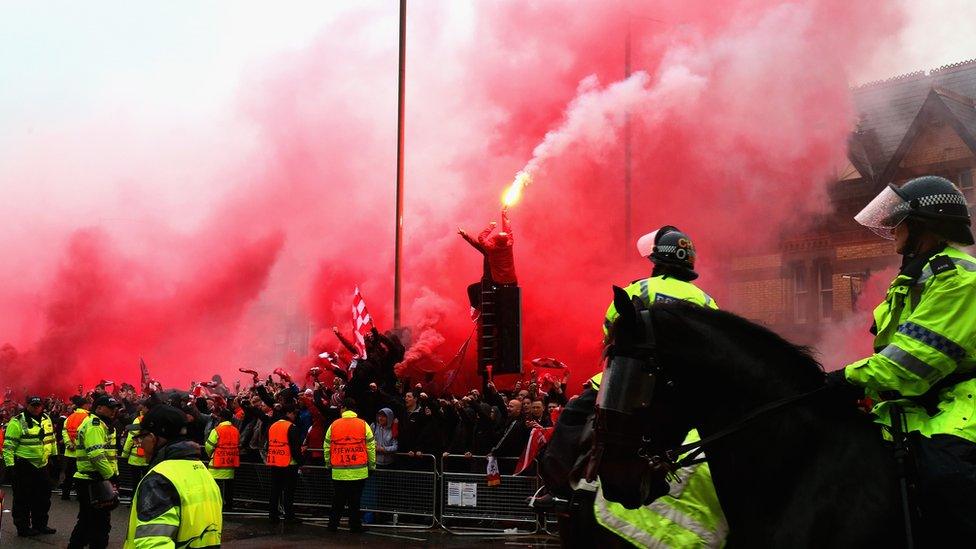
[[398, 262]]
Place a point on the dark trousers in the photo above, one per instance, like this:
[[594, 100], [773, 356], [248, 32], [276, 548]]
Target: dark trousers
[[32, 495], [70, 467], [226, 486], [946, 484], [346, 491], [93, 524], [283, 481]]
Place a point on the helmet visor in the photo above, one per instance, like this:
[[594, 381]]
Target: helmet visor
[[884, 213], [645, 244]]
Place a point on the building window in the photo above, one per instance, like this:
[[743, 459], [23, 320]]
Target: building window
[[826, 289], [965, 180], [799, 292]]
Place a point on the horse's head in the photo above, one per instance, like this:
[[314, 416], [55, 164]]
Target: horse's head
[[637, 399]]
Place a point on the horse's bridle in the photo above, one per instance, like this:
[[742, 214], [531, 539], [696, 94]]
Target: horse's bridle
[[628, 384]]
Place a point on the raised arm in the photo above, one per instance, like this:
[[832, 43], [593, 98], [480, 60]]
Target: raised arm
[[474, 243]]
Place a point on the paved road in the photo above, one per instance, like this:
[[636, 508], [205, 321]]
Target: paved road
[[259, 533]]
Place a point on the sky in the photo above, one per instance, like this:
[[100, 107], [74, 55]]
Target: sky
[[183, 176]]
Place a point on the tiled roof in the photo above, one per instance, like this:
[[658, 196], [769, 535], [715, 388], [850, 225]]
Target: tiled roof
[[887, 108]]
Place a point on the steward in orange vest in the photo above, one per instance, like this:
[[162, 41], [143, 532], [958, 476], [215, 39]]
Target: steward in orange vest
[[225, 455], [350, 450], [70, 438], [284, 453]]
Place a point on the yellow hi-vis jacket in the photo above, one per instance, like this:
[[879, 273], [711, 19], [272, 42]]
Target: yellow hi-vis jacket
[[926, 330], [689, 516], [95, 451], [29, 439], [194, 523], [132, 454], [658, 289]]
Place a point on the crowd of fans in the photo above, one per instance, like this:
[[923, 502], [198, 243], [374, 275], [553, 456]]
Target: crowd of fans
[[407, 420]]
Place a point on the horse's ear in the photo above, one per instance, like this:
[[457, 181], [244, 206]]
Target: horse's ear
[[625, 308]]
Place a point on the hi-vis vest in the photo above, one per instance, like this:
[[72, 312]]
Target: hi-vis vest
[[70, 434], [29, 440], [96, 450], [926, 330], [348, 445], [134, 455], [689, 516], [279, 452], [198, 522], [661, 289], [227, 454]]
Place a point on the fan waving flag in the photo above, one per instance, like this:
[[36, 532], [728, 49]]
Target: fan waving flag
[[361, 320]]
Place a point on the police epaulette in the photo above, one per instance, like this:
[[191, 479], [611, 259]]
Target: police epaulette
[[95, 421], [941, 264]]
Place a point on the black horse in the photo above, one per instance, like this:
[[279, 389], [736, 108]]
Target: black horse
[[815, 473]]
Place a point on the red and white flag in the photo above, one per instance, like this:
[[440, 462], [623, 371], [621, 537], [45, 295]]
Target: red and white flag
[[361, 320], [538, 438]]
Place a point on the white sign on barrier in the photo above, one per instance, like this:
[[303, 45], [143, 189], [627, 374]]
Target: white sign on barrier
[[462, 494]]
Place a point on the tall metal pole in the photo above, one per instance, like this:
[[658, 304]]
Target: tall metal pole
[[398, 260], [627, 187]]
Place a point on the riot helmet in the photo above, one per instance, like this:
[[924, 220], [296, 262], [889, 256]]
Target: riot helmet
[[669, 247], [931, 201]]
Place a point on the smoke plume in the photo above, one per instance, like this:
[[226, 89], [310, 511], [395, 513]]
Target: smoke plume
[[204, 254]]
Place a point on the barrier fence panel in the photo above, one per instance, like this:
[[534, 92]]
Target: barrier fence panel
[[397, 495], [470, 507], [412, 495]]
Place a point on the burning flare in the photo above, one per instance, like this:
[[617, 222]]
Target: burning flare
[[514, 192]]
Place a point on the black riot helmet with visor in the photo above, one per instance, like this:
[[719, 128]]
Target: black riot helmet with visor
[[932, 201]]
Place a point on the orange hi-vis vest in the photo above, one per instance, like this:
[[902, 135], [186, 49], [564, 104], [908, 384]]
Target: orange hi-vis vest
[[348, 446], [226, 454], [73, 422], [279, 452]]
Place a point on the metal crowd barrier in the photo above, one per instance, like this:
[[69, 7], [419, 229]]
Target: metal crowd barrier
[[415, 492], [402, 498], [470, 507]]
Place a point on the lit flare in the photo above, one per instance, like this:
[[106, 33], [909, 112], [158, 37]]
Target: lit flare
[[514, 191]]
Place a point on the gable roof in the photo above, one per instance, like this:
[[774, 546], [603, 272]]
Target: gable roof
[[888, 108], [957, 110]]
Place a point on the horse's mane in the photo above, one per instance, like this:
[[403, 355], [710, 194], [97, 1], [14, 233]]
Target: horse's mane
[[799, 357]]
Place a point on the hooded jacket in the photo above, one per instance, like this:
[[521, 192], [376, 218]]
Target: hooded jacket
[[385, 439]]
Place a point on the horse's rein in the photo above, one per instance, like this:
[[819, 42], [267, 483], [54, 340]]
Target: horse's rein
[[693, 450]]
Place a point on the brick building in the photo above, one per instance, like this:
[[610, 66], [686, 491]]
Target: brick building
[[916, 124]]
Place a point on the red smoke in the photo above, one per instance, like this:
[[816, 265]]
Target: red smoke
[[739, 112]]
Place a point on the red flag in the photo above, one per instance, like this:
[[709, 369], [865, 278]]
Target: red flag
[[454, 366], [538, 438], [144, 375], [361, 320]]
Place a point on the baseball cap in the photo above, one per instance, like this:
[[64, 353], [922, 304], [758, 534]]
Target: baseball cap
[[165, 421], [106, 401]]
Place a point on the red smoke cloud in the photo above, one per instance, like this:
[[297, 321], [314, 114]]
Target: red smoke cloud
[[738, 114]]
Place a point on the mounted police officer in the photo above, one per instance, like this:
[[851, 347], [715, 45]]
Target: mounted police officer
[[673, 254], [28, 444], [690, 515], [925, 344]]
